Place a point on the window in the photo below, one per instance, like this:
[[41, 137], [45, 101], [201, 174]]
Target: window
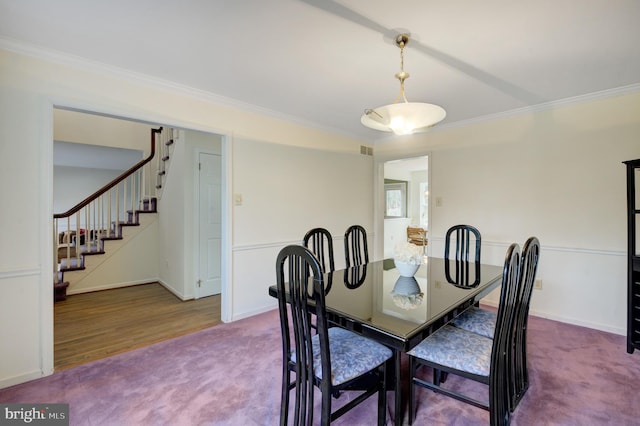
[[395, 193]]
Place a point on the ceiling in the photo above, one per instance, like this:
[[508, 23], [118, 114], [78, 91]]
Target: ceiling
[[322, 62]]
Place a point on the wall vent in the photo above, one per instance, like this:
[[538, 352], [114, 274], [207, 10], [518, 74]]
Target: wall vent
[[366, 150]]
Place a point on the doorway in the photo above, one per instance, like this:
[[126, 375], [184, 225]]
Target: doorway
[[110, 138], [406, 199]]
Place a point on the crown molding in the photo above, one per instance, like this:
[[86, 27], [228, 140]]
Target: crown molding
[[101, 68], [107, 70], [545, 106]]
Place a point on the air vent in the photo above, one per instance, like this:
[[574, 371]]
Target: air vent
[[366, 150]]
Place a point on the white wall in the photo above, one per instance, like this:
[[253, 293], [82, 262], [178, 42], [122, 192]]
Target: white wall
[[73, 184], [29, 89], [286, 191], [555, 174]]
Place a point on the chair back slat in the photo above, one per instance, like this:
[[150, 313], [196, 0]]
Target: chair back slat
[[528, 269], [502, 353], [355, 246], [465, 237], [320, 242]]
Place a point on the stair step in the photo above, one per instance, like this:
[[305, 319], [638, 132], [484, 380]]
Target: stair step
[[71, 264], [60, 291]]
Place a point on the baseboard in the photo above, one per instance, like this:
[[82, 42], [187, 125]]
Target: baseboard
[[22, 378], [174, 292], [112, 286], [568, 320], [252, 313]]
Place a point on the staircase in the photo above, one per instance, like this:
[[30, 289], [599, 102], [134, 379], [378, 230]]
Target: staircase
[[84, 230]]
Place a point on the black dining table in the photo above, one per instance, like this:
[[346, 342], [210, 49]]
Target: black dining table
[[375, 301]]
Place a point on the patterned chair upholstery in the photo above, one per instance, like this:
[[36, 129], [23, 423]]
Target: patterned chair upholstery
[[477, 320], [351, 355]]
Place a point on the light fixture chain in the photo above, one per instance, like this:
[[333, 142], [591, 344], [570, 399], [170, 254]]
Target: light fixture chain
[[401, 75]]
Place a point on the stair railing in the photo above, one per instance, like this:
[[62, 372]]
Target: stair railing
[[83, 228]]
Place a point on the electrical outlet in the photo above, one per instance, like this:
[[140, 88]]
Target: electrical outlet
[[537, 284]]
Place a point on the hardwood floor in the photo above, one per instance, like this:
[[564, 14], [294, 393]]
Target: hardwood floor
[[96, 325]]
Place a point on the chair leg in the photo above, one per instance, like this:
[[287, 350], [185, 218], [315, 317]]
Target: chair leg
[[412, 389], [284, 398], [382, 395], [439, 377], [325, 414]]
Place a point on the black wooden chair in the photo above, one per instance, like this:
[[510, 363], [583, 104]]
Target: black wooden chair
[[465, 236], [482, 321], [356, 251], [320, 242], [470, 355], [529, 267], [333, 359], [417, 236]]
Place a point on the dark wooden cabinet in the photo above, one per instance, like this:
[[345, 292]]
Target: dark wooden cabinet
[[633, 255]]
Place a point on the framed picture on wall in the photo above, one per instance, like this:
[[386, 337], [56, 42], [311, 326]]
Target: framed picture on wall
[[395, 195]]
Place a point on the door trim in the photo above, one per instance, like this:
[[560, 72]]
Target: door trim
[[226, 275]]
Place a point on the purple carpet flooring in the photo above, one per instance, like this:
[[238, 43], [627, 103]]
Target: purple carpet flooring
[[230, 375]]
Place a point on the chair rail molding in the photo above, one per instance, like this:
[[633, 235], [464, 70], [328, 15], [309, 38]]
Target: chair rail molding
[[20, 272]]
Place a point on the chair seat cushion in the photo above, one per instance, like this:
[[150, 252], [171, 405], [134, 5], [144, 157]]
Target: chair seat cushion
[[352, 355], [456, 348], [477, 320]]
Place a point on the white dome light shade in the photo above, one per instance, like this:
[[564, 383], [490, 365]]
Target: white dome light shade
[[403, 118]]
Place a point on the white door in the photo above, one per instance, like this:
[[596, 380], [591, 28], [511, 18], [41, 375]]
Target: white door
[[210, 223]]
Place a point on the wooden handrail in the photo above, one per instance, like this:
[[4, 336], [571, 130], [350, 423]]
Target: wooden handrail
[[114, 182]]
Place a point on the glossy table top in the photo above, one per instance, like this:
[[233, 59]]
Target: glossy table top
[[374, 300]]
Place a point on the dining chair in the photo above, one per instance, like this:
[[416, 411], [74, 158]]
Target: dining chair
[[483, 321], [417, 236], [320, 242], [463, 353], [460, 238], [355, 246], [529, 267], [332, 359], [464, 236]]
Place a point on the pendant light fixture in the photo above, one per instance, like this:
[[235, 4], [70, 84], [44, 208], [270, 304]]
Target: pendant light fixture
[[403, 117]]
